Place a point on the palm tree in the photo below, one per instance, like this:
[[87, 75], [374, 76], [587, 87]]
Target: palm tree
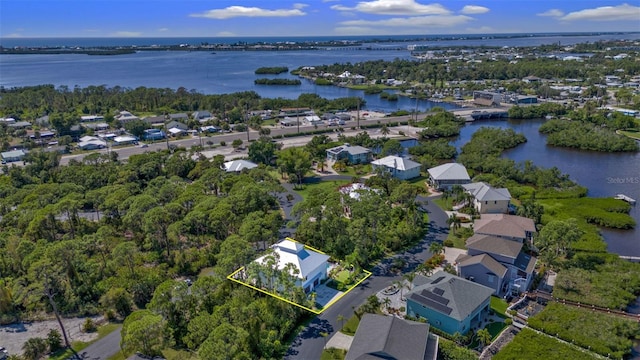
[[384, 130], [409, 277], [454, 222], [386, 301], [436, 248], [484, 337]]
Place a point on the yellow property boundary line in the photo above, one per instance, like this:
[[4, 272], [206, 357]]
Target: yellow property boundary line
[[317, 312]]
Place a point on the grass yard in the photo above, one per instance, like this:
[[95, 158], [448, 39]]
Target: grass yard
[[499, 306], [323, 185], [332, 354], [631, 134], [351, 326], [529, 345], [604, 334], [444, 204], [78, 346], [356, 170], [495, 328]]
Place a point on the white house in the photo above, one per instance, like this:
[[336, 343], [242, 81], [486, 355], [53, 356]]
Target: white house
[[445, 176], [124, 140], [398, 167], [91, 143], [310, 266], [488, 200]]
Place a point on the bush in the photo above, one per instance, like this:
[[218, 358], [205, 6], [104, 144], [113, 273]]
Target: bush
[[223, 143], [89, 326], [54, 340]]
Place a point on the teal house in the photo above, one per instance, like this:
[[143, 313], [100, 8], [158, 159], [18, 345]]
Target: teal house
[[448, 302]]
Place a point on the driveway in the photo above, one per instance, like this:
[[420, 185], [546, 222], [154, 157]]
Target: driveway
[[101, 349], [309, 343]]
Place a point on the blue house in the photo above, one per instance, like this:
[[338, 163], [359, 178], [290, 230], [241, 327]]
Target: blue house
[[353, 154], [448, 302], [153, 134], [398, 167]]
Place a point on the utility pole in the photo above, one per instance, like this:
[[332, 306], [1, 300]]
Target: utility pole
[[358, 114], [298, 115], [416, 109], [166, 134], [246, 107]]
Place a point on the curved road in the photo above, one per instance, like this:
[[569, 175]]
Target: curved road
[[309, 343]]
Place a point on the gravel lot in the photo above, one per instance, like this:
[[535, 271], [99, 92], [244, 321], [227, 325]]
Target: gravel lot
[[13, 336]]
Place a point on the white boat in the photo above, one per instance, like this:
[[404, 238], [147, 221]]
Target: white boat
[[626, 198]]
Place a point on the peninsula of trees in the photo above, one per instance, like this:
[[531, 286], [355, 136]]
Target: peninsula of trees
[[272, 70]]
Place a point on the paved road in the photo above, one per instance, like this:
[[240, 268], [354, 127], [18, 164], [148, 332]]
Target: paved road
[[309, 343], [101, 349], [125, 152]]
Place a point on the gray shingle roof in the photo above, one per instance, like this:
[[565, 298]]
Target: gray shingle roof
[[454, 296], [450, 171], [504, 225], [389, 337], [494, 245], [525, 262], [353, 150], [483, 192], [488, 262]]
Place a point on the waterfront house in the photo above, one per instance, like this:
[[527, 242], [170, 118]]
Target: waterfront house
[[487, 98], [309, 267], [353, 154], [445, 176], [392, 338], [398, 167], [507, 253], [512, 227], [13, 155], [239, 165], [488, 200], [448, 302]]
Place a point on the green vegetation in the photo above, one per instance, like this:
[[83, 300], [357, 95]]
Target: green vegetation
[[369, 90], [388, 96], [323, 82], [495, 328], [351, 325], [586, 136], [78, 346], [605, 334], [499, 305], [441, 124], [634, 134], [333, 354], [449, 350], [265, 81], [529, 345], [599, 279], [272, 70], [537, 111]]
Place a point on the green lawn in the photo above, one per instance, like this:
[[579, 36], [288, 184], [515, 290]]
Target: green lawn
[[631, 134], [356, 170], [529, 345], [351, 326], [333, 184], [208, 271], [332, 354], [495, 328], [603, 333], [444, 204], [499, 306], [78, 346]]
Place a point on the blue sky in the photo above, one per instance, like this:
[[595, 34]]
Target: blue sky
[[211, 18]]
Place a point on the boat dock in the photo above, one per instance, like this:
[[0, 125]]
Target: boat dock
[[626, 198]]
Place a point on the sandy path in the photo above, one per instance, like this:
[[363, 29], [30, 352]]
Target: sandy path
[[14, 336]]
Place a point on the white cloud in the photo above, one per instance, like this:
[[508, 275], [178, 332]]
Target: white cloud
[[474, 9], [13, 35], [326, 1], [356, 30], [552, 13], [395, 7], [126, 34], [416, 22], [605, 13], [300, 6], [482, 30], [163, 29], [225, 34], [242, 11]]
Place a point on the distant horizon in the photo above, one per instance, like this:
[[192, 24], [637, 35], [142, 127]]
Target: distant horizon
[[524, 34]]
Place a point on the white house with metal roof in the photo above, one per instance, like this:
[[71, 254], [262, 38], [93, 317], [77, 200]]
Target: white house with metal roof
[[13, 155], [487, 199], [309, 266], [398, 167], [445, 176]]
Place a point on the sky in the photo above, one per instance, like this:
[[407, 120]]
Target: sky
[[237, 18]]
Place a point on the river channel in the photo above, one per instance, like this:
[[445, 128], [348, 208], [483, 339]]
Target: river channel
[[604, 174]]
